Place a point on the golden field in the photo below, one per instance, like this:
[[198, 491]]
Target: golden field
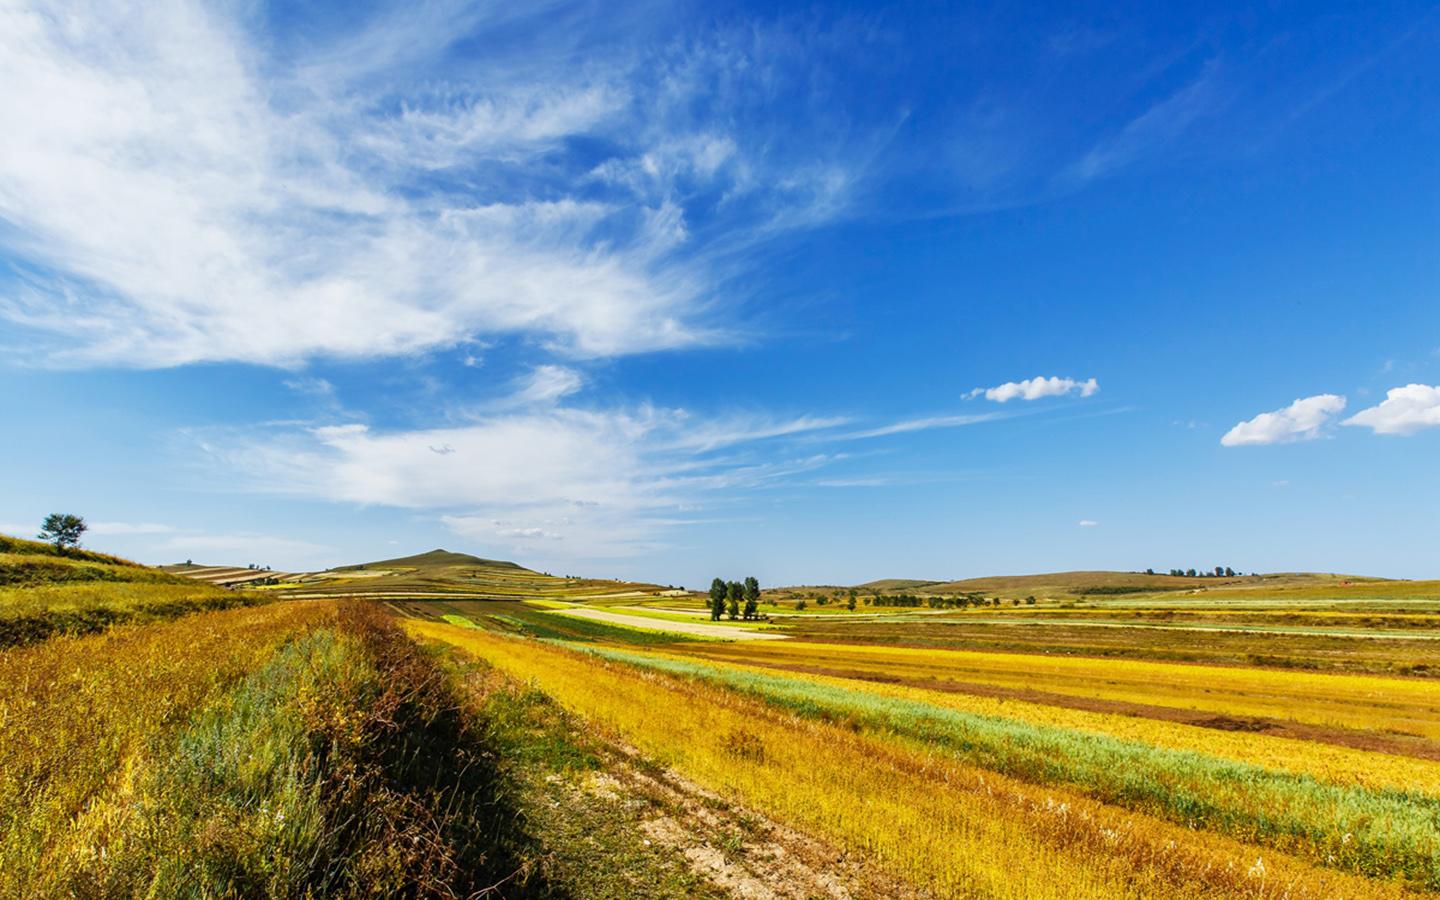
[[954, 828]]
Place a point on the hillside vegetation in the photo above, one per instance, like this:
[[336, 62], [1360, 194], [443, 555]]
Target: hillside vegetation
[[44, 592], [443, 574]]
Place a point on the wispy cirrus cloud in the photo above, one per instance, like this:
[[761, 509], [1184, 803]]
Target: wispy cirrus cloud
[[178, 189], [591, 483]]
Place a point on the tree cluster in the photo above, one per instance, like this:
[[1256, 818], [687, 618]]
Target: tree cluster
[[961, 601], [1217, 572], [728, 597]]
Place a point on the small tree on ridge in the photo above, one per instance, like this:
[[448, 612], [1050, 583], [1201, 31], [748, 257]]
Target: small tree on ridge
[[63, 530]]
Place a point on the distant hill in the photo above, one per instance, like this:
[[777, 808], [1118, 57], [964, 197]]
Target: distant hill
[[1100, 583], [436, 558], [445, 575]]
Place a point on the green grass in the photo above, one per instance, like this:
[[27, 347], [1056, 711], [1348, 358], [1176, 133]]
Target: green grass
[[1378, 833], [25, 547], [43, 594]]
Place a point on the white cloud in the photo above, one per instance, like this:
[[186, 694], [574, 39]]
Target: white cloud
[[547, 384], [117, 528], [1300, 421], [177, 190], [315, 387], [590, 483], [1036, 388], [1404, 411], [1088, 523]]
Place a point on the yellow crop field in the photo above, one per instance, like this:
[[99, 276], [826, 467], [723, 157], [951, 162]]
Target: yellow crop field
[[1399, 705], [953, 828], [1335, 764]]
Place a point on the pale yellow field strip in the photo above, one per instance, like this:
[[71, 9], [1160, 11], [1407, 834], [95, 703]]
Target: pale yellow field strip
[[695, 628]]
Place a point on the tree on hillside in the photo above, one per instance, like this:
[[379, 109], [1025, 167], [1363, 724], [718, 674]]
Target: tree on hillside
[[1190, 573], [717, 599], [1149, 571], [752, 596], [1229, 572], [734, 592], [850, 602], [63, 530]]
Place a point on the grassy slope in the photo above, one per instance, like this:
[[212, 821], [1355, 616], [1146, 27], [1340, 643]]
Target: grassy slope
[[44, 592]]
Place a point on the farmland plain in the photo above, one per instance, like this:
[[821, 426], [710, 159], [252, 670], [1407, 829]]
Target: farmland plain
[[448, 725]]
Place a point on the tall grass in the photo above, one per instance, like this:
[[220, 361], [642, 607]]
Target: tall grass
[[951, 828], [82, 718], [1376, 832], [34, 614], [334, 762]]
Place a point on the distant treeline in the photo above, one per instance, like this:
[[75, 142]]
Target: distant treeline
[[957, 602], [1106, 589], [1217, 572]]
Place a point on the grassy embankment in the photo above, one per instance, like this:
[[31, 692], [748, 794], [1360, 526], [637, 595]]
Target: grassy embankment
[[44, 592]]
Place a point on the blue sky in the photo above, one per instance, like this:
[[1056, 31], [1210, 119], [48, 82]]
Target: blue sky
[[821, 292]]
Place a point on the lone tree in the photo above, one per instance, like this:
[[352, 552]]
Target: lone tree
[[752, 596], [718, 591], [63, 530], [734, 592]]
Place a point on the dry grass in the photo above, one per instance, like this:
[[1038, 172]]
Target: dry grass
[[952, 828], [81, 718]]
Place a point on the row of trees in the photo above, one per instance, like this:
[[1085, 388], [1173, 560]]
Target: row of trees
[[1217, 572], [960, 601], [727, 596]]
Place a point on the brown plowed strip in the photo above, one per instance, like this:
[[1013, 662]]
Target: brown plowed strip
[[1397, 744]]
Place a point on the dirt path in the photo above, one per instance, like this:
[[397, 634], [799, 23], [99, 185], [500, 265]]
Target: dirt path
[[744, 853], [696, 628]]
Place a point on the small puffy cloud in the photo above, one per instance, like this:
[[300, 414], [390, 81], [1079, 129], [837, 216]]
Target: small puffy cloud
[[1036, 388], [1088, 523], [1300, 421], [1404, 411]]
